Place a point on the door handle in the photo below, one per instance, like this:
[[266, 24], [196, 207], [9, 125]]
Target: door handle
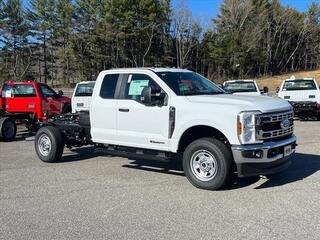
[[123, 109]]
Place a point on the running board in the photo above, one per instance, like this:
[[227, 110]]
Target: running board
[[136, 153]]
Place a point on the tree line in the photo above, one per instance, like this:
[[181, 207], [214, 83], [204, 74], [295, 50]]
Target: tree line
[[66, 41]]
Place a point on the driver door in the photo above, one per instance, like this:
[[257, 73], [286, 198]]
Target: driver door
[[139, 125]]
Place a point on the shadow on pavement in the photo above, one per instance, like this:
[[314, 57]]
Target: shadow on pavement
[[173, 167], [303, 165], [79, 154]]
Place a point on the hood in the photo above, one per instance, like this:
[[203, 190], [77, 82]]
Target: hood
[[245, 103]]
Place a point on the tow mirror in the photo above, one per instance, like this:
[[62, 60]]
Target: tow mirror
[[60, 93], [146, 95], [265, 90]]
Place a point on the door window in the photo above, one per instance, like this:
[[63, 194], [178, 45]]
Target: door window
[[108, 87], [46, 91], [135, 85]]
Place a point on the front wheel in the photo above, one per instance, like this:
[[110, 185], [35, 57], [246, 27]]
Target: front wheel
[[8, 129], [207, 163], [49, 144]]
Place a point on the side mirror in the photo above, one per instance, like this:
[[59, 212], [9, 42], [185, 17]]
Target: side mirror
[[277, 90], [146, 95], [60, 93], [152, 97], [265, 90]]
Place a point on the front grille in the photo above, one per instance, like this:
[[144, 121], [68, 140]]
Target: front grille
[[271, 126]]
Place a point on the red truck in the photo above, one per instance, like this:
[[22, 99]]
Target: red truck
[[30, 103]]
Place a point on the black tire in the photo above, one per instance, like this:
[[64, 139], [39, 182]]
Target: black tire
[[8, 129], [222, 159], [49, 151]]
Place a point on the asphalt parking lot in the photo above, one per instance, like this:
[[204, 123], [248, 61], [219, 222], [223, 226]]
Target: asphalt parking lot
[[92, 196]]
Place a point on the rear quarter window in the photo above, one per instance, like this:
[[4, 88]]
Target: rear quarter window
[[108, 86], [23, 90]]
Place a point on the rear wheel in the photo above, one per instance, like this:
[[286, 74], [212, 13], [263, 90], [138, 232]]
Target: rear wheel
[[49, 144], [8, 129], [207, 163]]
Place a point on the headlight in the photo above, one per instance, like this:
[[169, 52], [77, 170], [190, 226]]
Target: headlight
[[246, 127]]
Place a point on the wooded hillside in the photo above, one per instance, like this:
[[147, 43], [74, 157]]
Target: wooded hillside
[[65, 41]]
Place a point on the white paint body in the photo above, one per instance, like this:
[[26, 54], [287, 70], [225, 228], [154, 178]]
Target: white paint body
[[144, 125], [300, 95], [81, 103]]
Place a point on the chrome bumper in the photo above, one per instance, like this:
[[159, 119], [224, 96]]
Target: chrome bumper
[[273, 159], [238, 151]]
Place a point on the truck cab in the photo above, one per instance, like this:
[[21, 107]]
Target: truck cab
[[303, 94], [165, 113], [81, 97], [33, 100], [243, 87]]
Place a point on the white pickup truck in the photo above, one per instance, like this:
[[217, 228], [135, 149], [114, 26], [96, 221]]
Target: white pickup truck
[[165, 114], [303, 94], [244, 87], [81, 97]]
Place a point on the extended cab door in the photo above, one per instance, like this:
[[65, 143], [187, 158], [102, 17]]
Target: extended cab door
[[139, 125], [50, 100], [103, 110]]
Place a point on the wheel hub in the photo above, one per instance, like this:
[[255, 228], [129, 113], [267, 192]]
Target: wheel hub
[[44, 145], [203, 165]]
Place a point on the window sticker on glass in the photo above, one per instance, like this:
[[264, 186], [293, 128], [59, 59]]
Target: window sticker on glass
[[136, 86]]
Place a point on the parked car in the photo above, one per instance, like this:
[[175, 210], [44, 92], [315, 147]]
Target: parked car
[[243, 87], [81, 97], [304, 96], [164, 114], [30, 103]]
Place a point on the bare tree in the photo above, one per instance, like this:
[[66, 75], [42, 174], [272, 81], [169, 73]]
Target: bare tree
[[186, 32]]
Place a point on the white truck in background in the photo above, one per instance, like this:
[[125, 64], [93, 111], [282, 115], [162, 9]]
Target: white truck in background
[[244, 87], [81, 97], [176, 114], [303, 94]]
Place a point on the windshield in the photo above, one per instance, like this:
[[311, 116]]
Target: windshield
[[299, 85], [189, 83], [84, 90], [240, 87], [46, 91]]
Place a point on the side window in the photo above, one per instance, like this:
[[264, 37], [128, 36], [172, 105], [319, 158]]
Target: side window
[[24, 90], [6, 91], [47, 91], [108, 87], [135, 85]]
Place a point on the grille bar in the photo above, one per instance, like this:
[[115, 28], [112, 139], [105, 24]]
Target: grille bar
[[273, 121]]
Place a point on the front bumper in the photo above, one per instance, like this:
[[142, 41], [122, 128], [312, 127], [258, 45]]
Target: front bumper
[[271, 157]]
